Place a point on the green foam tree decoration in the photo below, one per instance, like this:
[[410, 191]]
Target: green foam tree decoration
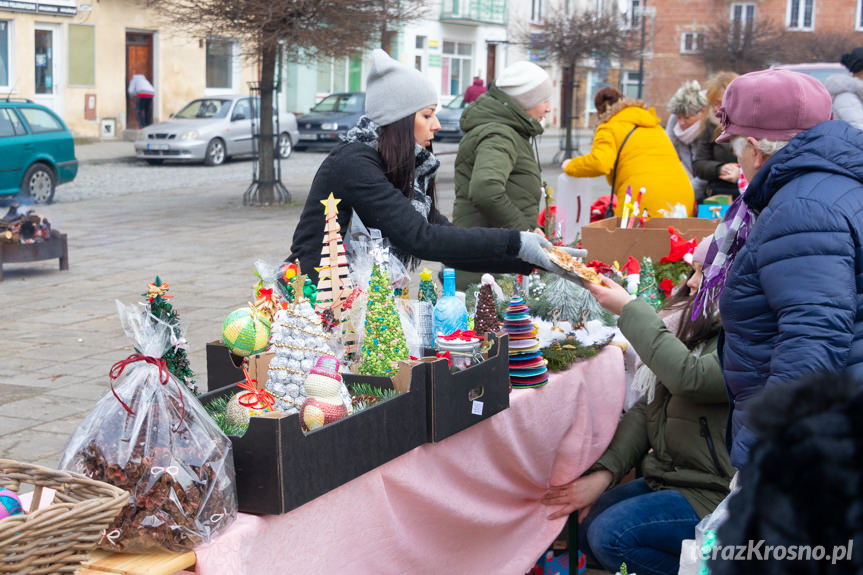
[[175, 357], [426, 288], [384, 340], [648, 286]]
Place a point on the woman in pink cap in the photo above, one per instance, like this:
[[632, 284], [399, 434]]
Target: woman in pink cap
[[792, 256], [675, 431]]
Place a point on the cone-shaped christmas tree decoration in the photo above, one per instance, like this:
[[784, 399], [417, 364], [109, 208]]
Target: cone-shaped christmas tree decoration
[[527, 367], [573, 302], [333, 282], [175, 358], [485, 319], [298, 340], [384, 341], [648, 289], [426, 288]]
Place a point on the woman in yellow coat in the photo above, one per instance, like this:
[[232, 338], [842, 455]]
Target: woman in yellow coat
[[648, 159]]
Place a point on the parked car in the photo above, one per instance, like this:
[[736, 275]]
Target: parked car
[[449, 117], [331, 118], [818, 70], [210, 130], [37, 151]]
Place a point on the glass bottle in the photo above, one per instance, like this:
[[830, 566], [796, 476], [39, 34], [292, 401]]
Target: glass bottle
[[450, 314]]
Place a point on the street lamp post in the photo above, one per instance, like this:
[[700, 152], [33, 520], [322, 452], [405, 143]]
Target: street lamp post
[[643, 10]]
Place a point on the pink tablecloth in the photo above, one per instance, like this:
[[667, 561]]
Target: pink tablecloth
[[469, 504]]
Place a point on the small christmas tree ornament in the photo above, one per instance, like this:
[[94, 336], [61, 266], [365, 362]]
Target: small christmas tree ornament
[[527, 366], [427, 291], [631, 271], [384, 342], [648, 288], [246, 332], [334, 285], [485, 318], [176, 357], [324, 404], [680, 249]]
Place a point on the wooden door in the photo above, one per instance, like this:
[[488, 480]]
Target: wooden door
[[490, 62], [139, 60]]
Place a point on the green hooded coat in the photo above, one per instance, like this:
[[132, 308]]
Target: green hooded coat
[[679, 437], [497, 176]]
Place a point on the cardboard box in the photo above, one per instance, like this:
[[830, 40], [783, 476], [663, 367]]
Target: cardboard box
[[279, 468], [224, 369], [458, 400], [605, 241]]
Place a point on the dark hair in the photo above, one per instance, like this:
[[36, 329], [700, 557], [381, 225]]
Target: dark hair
[[604, 98], [397, 145], [801, 484], [693, 332]]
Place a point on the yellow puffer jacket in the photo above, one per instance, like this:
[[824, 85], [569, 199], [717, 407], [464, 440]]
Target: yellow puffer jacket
[[648, 159]]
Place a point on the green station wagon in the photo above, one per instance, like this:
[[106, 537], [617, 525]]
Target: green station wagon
[[37, 152]]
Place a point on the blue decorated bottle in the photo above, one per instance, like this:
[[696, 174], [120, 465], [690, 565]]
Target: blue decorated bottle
[[450, 314]]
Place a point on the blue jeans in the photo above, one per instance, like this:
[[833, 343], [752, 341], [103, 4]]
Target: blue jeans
[[644, 529]]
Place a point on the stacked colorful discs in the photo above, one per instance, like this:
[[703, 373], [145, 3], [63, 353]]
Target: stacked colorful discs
[[527, 367]]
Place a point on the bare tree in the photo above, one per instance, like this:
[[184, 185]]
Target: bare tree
[[816, 46], [742, 48], [568, 38], [305, 29]]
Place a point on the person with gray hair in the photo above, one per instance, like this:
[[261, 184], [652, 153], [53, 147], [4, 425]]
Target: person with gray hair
[[685, 125]]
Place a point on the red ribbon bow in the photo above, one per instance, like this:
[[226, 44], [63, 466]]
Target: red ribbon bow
[[164, 377], [446, 355], [266, 293], [255, 396], [459, 334]]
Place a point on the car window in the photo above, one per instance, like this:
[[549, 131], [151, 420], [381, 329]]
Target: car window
[[350, 103], [242, 110], [40, 121], [205, 108], [10, 124], [457, 102]]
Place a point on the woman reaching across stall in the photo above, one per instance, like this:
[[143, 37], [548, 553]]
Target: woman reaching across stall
[[631, 149], [384, 175], [676, 432]]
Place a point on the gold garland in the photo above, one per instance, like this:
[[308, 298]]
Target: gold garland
[[286, 346], [289, 370], [310, 333], [298, 315]]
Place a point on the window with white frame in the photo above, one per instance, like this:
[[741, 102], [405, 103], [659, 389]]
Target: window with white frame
[[859, 25], [633, 13], [223, 65], [742, 20], [456, 67], [420, 52], [629, 83], [6, 54], [801, 14], [536, 11], [690, 42]]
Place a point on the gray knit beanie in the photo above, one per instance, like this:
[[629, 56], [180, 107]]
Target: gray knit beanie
[[394, 91], [526, 83]]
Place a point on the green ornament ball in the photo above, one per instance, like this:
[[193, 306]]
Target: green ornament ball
[[245, 332]]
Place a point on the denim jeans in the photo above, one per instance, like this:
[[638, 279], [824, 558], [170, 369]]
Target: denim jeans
[[644, 529]]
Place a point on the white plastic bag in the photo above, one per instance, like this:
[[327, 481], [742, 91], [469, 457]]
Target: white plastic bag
[[572, 199]]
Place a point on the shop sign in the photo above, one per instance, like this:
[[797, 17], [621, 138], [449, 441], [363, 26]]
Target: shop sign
[[56, 7]]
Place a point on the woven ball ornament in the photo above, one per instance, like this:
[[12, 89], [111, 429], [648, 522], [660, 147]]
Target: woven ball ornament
[[9, 504], [246, 332]]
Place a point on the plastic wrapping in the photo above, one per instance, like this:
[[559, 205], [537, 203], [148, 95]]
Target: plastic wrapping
[[151, 437]]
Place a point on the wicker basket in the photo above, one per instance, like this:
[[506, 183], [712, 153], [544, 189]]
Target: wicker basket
[[56, 538]]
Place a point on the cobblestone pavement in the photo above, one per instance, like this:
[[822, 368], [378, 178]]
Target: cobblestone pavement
[[126, 223]]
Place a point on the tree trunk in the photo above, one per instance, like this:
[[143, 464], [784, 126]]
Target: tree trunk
[[266, 168]]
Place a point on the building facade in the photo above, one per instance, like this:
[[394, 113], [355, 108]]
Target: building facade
[[676, 28], [77, 59]]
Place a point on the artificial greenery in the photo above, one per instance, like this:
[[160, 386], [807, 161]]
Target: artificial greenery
[[366, 395], [175, 357], [674, 271], [562, 354], [216, 410]]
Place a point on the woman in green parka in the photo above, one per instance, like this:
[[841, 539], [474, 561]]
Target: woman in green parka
[[676, 431]]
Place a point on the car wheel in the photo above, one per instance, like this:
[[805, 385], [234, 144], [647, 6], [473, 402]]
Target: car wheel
[[39, 183], [215, 155], [286, 147], [155, 162]]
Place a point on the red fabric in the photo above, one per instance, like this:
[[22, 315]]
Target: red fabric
[[482, 486], [474, 91], [600, 206], [679, 247]]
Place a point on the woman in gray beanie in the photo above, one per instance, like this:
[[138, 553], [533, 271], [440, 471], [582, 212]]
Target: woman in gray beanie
[[383, 173]]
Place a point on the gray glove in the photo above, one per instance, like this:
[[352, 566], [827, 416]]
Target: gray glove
[[532, 251]]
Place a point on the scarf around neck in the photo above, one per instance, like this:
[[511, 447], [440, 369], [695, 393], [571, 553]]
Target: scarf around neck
[[688, 135], [367, 132]]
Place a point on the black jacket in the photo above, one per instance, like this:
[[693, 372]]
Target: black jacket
[[709, 157], [354, 174]]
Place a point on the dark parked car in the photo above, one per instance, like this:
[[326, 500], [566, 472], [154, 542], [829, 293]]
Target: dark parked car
[[449, 117], [37, 152], [330, 118]]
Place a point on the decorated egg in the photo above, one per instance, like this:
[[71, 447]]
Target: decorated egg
[[9, 504]]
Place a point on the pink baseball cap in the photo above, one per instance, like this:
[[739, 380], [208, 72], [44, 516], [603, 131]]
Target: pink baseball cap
[[774, 104]]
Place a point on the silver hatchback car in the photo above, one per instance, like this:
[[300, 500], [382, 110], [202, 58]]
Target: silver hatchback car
[[210, 130]]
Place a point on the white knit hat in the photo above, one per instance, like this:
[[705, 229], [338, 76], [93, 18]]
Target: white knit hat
[[395, 91], [526, 83]]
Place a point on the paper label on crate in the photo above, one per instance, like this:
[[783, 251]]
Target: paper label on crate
[[477, 408]]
